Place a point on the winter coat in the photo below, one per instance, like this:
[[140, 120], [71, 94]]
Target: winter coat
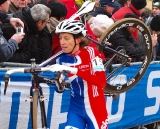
[[12, 8], [123, 38], [28, 47], [120, 14], [44, 45], [124, 10], [7, 48]]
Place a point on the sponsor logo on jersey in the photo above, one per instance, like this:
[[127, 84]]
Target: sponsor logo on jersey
[[83, 66], [95, 92]]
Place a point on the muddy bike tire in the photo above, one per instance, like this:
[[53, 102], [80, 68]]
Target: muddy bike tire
[[39, 120], [120, 87], [34, 109]]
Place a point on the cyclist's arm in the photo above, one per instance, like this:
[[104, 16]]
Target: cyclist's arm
[[98, 78], [95, 74]]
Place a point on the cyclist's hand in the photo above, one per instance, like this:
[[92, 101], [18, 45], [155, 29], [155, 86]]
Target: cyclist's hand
[[61, 68], [18, 37]]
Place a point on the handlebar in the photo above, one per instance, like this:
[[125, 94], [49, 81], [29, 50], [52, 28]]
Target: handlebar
[[59, 76]]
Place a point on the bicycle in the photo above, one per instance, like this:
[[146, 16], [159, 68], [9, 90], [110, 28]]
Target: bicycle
[[110, 90], [36, 93], [124, 60]]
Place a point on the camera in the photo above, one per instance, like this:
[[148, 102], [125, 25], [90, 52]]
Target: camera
[[19, 30]]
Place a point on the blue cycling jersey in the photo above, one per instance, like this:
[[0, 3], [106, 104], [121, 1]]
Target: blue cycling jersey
[[87, 104]]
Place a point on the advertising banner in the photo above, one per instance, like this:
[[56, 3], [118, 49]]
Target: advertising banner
[[139, 105]]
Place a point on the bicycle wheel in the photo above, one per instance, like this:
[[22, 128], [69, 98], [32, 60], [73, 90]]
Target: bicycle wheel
[[39, 120], [128, 75], [35, 109]]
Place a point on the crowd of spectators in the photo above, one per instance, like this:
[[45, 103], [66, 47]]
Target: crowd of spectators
[[129, 38], [40, 17]]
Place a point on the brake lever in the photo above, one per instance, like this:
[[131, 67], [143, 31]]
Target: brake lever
[[6, 80], [59, 81]]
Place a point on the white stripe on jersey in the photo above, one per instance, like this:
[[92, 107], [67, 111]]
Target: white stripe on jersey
[[88, 106], [92, 56], [91, 52]]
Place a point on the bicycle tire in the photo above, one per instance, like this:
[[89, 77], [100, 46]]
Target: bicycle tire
[[34, 109], [132, 81]]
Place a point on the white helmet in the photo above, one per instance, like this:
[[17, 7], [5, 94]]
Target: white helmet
[[71, 26]]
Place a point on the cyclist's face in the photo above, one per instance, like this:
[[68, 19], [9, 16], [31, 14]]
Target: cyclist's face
[[67, 42]]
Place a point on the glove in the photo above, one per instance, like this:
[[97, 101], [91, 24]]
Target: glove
[[60, 68]]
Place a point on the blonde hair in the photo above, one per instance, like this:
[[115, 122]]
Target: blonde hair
[[84, 42]]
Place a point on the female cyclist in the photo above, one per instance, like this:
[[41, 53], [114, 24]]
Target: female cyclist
[[87, 77]]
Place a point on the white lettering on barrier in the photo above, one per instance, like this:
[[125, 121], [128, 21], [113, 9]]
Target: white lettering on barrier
[[113, 118], [153, 92], [24, 107], [57, 116], [7, 104]]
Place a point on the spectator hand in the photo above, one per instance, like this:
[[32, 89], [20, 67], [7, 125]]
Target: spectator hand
[[18, 37], [16, 21], [154, 39], [60, 68]]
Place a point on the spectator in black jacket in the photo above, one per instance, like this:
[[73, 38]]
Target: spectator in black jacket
[[35, 19], [7, 48], [155, 27], [123, 38]]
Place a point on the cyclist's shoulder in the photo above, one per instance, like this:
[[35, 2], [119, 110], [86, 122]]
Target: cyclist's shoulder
[[92, 50]]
